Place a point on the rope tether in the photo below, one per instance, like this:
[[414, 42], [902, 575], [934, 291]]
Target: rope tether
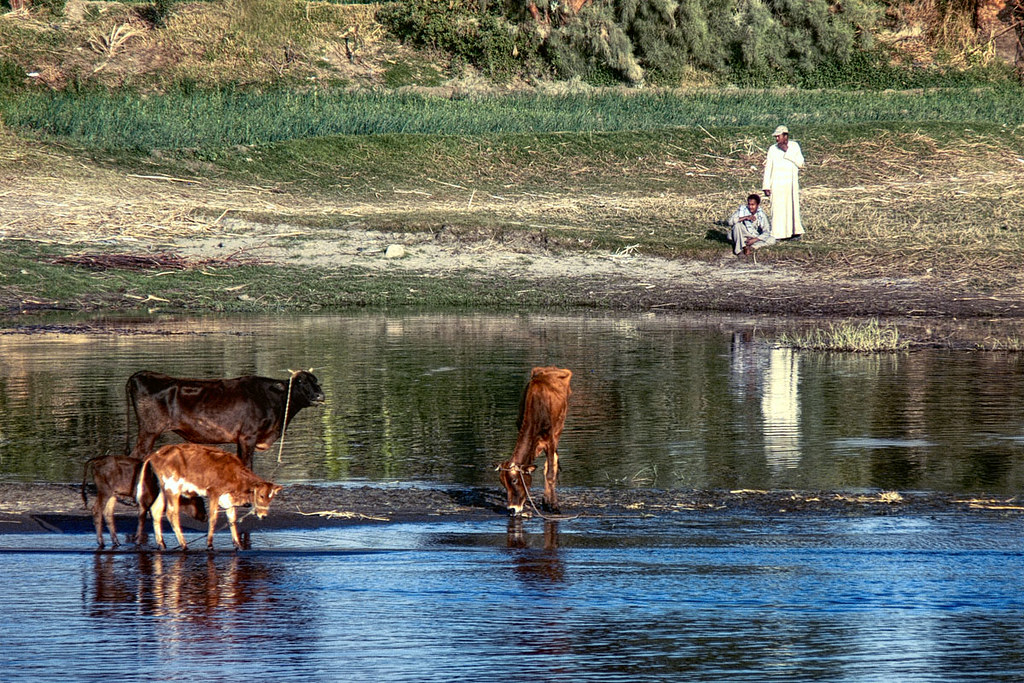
[[516, 469], [284, 420]]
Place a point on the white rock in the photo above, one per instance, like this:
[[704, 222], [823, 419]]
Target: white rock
[[394, 251]]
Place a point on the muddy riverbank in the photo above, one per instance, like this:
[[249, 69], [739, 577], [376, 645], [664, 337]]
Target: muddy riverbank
[[58, 508]]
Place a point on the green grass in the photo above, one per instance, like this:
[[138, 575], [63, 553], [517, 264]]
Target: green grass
[[31, 279], [208, 121], [863, 337], [867, 190]]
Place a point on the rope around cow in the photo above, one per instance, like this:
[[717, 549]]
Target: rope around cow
[[284, 419], [517, 470]]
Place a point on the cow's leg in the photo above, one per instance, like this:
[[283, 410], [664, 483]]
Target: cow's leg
[[146, 491], [246, 446], [97, 519], [157, 512], [550, 481], [174, 516], [108, 514], [140, 531], [230, 512], [211, 514]]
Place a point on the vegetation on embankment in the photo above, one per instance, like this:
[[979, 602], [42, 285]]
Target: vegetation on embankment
[[42, 278], [142, 124], [206, 122], [885, 201], [159, 46]]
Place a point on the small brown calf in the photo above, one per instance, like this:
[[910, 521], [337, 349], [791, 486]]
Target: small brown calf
[[541, 419], [117, 475], [198, 470]]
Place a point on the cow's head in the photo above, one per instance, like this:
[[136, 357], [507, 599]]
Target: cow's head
[[306, 390], [516, 479], [261, 497]]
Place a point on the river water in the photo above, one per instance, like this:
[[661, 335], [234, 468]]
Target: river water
[[688, 598], [658, 402]]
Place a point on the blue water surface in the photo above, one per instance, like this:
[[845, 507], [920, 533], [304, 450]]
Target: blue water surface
[[687, 597]]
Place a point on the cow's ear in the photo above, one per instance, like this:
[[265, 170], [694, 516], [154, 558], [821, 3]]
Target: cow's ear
[[275, 489], [530, 469]]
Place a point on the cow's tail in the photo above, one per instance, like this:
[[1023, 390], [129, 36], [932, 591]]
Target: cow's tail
[[129, 402], [85, 478], [141, 482]]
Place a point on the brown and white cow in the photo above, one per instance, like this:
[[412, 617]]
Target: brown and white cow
[[247, 411], [541, 418], [194, 469], [118, 475]]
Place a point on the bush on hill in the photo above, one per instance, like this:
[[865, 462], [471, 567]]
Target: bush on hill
[[817, 43]]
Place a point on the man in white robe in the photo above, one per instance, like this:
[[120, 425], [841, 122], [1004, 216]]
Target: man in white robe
[[782, 184]]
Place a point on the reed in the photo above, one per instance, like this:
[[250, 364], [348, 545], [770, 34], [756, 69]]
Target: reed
[[1015, 344], [863, 337], [206, 121]]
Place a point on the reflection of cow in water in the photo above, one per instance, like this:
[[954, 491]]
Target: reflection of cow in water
[[541, 418], [536, 565], [247, 411], [117, 475], [197, 470], [205, 590]]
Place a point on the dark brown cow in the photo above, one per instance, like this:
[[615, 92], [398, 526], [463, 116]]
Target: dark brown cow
[[117, 475], [541, 418], [198, 470], [247, 411]]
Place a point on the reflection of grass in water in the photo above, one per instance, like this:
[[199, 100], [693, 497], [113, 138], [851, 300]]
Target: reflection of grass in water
[[870, 336]]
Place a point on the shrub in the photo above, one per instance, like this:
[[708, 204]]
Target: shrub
[[55, 7], [813, 43], [162, 10], [594, 48], [486, 40], [12, 76]]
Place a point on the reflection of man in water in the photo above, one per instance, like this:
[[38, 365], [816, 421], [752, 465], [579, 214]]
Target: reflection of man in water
[[768, 381], [750, 227], [780, 405]]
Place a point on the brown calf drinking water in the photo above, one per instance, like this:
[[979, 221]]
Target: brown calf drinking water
[[541, 418]]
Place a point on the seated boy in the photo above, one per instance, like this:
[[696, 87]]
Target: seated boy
[[750, 227]]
